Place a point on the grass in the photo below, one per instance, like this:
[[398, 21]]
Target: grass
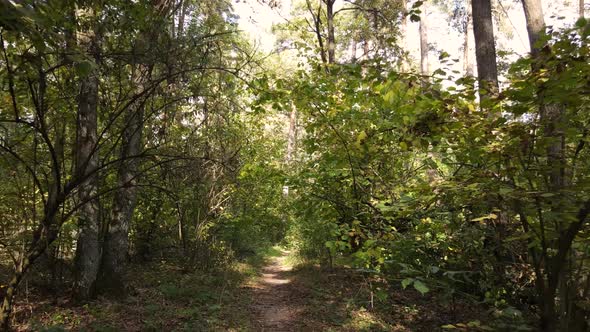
[[346, 300], [166, 298], [163, 298], [263, 255]]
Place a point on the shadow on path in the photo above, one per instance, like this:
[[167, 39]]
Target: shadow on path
[[276, 301]]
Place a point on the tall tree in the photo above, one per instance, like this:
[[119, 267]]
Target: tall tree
[[331, 35], [115, 249], [553, 316], [316, 15], [88, 248], [116, 242], [424, 41], [485, 48], [468, 26]]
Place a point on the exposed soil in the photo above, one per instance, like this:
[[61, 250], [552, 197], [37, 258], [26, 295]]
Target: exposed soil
[[274, 297]]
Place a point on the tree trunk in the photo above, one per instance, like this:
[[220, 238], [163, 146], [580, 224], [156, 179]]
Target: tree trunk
[[404, 33], [317, 20], [292, 136], [535, 23], [353, 49], [485, 49], [424, 43], [115, 249], [553, 318], [181, 18], [467, 62], [291, 142], [87, 260], [331, 38]]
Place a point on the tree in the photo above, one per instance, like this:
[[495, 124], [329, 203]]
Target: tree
[[424, 42], [468, 26], [129, 94], [485, 49], [87, 159], [331, 38], [555, 280]]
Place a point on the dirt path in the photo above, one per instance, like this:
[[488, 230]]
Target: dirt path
[[274, 297]]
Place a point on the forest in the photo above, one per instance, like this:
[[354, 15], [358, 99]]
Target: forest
[[304, 165]]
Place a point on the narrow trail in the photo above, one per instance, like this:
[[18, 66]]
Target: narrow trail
[[274, 297]]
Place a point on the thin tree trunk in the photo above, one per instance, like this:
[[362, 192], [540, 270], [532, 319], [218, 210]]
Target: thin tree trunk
[[292, 136], [87, 258], [331, 38], [181, 18], [485, 49], [424, 43], [551, 118], [291, 142], [317, 21], [404, 33], [467, 62]]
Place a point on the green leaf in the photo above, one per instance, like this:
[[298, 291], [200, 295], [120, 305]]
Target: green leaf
[[403, 146], [421, 287], [489, 216], [406, 282], [414, 18]]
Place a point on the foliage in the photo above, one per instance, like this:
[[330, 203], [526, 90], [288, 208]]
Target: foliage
[[405, 177], [412, 182]]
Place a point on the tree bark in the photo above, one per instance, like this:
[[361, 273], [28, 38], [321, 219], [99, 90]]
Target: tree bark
[[552, 124], [331, 38], [317, 21], [116, 242], [114, 260], [291, 142], [292, 136], [467, 62], [404, 33], [485, 49], [87, 260], [181, 18], [535, 24], [424, 42]]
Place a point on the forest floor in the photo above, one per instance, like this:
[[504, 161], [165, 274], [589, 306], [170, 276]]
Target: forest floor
[[274, 297], [266, 293], [306, 298]]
